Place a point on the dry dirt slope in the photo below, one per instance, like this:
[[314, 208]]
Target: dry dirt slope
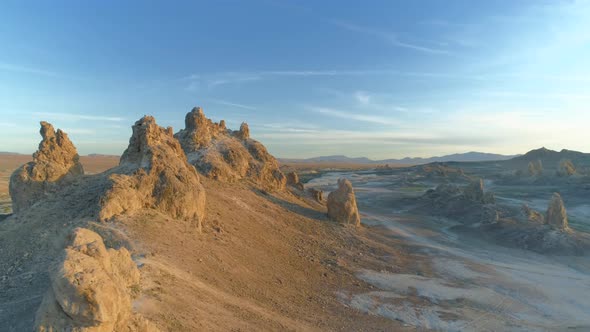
[[263, 262]]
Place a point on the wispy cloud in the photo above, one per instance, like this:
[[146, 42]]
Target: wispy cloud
[[389, 37], [232, 79], [353, 116], [232, 104], [362, 97], [16, 68], [76, 117]]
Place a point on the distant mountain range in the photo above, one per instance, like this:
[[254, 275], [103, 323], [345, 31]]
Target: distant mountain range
[[458, 157]]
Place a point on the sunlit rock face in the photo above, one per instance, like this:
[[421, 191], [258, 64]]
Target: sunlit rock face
[[154, 173], [55, 162], [91, 289], [226, 155], [556, 213], [342, 206]]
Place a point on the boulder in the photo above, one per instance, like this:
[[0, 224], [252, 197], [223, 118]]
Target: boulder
[[91, 289], [317, 194], [55, 162], [556, 214], [293, 180], [154, 173], [342, 206], [226, 155]]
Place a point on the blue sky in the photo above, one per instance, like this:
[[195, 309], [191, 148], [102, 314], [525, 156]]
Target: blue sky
[[365, 78]]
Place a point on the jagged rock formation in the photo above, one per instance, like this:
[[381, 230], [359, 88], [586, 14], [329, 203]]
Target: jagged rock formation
[[293, 180], [437, 170], [532, 215], [317, 194], [244, 132], [556, 214], [470, 205], [91, 289], [535, 168], [154, 173], [566, 168], [342, 206], [55, 161], [227, 155]]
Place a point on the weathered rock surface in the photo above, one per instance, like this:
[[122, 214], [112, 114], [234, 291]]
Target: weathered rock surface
[[227, 155], [55, 161], [154, 173], [535, 168], [469, 205], [566, 168], [342, 206], [317, 194], [293, 180], [556, 214], [91, 289], [532, 215]]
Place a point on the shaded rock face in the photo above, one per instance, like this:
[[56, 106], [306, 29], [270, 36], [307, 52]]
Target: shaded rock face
[[227, 155], [154, 173], [475, 192], [342, 206], [317, 194], [556, 214], [91, 288], [293, 180], [55, 161]]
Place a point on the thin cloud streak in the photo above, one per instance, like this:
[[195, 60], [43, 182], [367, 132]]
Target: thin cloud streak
[[232, 104], [4, 66], [353, 116], [77, 117], [389, 37]]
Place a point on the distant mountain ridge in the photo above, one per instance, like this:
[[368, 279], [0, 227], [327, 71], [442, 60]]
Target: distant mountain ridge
[[550, 158], [457, 157]]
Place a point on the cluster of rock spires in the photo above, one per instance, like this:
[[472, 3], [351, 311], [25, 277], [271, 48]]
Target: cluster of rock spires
[[226, 155], [90, 285], [470, 204], [91, 289], [55, 162]]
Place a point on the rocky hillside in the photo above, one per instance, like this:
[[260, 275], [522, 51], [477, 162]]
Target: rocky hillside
[[226, 155], [151, 245]]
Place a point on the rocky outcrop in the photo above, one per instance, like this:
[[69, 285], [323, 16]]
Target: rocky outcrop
[[475, 192], [317, 194], [227, 155], [566, 168], [91, 289], [55, 162], [154, 173], [535, 168], [556, 215], [532, 215], [293, 180], [470, 205], [440, 170], [342, 206]]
